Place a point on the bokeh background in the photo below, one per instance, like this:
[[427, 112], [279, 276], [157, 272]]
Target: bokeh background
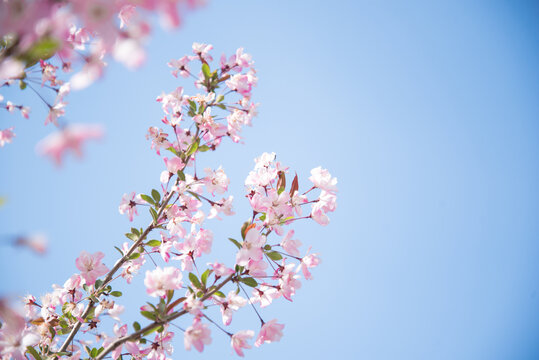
[[426, 112]]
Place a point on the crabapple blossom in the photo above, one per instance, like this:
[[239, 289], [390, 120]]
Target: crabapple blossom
[[91, 266], [6, 136], [239, 341], [128, 205], [270, 332], [160, 280], [322, 179], [197, 335], [70, 138]]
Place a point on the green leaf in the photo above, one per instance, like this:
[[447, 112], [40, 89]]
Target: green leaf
[[221, 106], [22, 85], [262, 217], [147, 199], [220, 294], [119, 250], [148, 332], [131, 236], [204, 148], [116, 293], [192, 106], [174, 151], [236, 242], [153, 243], [42, 50], [148, 315], [181, 175], [195, 281], [136, 326], [206, 71], [220, 98], [135, 231], [192, 149], [34, 353], [156, 196], [249, 281], [93, 353], [154, 214], [194, 194], [205, 275], [274, 255], [170, 295], [98, 284], [134, 256]]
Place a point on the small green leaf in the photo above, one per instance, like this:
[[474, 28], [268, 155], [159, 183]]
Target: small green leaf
[[153, 243], [93, 353], [116, 293], [206, 71], [34, 353], [136, 326], [192, 106], [181, 175], [98, 284], [236, 242], [221, 106], [134, 256], [119, 250], [205, 275], [220, 98], [148, 315], [131, 236], [267, 247], [22, 85], [195, 281], [204, 148], [148, 199], [148, 332], [154, 214], [172, 150], [220, 294], [249, 281], [274, 255], [156, 196]]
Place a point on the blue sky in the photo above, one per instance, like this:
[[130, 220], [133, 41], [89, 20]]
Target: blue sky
[[426, 112]]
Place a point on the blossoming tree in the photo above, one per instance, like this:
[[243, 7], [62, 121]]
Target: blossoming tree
[[267, 262]]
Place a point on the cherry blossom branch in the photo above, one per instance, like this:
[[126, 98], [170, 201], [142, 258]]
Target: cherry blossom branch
[[111, 273], [159, 322]]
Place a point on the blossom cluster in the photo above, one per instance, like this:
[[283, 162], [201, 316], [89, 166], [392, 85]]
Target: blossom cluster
[[267, 263], [42, 41]]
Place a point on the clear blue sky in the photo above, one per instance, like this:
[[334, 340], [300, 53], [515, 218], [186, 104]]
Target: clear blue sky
[[427, 114]]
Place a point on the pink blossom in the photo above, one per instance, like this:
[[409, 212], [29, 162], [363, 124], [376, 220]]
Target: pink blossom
[[252, 248], [309, 261], [91, 266], [290, 246], [270, 332], [180, 66], [322, 179], [35, 242], [55, 112], [158, 281], [220, 269], [239, 341], [14, 336], [197, 335], [216, 181], [128, 205], [6, 136], [203, 51], [125, 14], [69, 138]]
